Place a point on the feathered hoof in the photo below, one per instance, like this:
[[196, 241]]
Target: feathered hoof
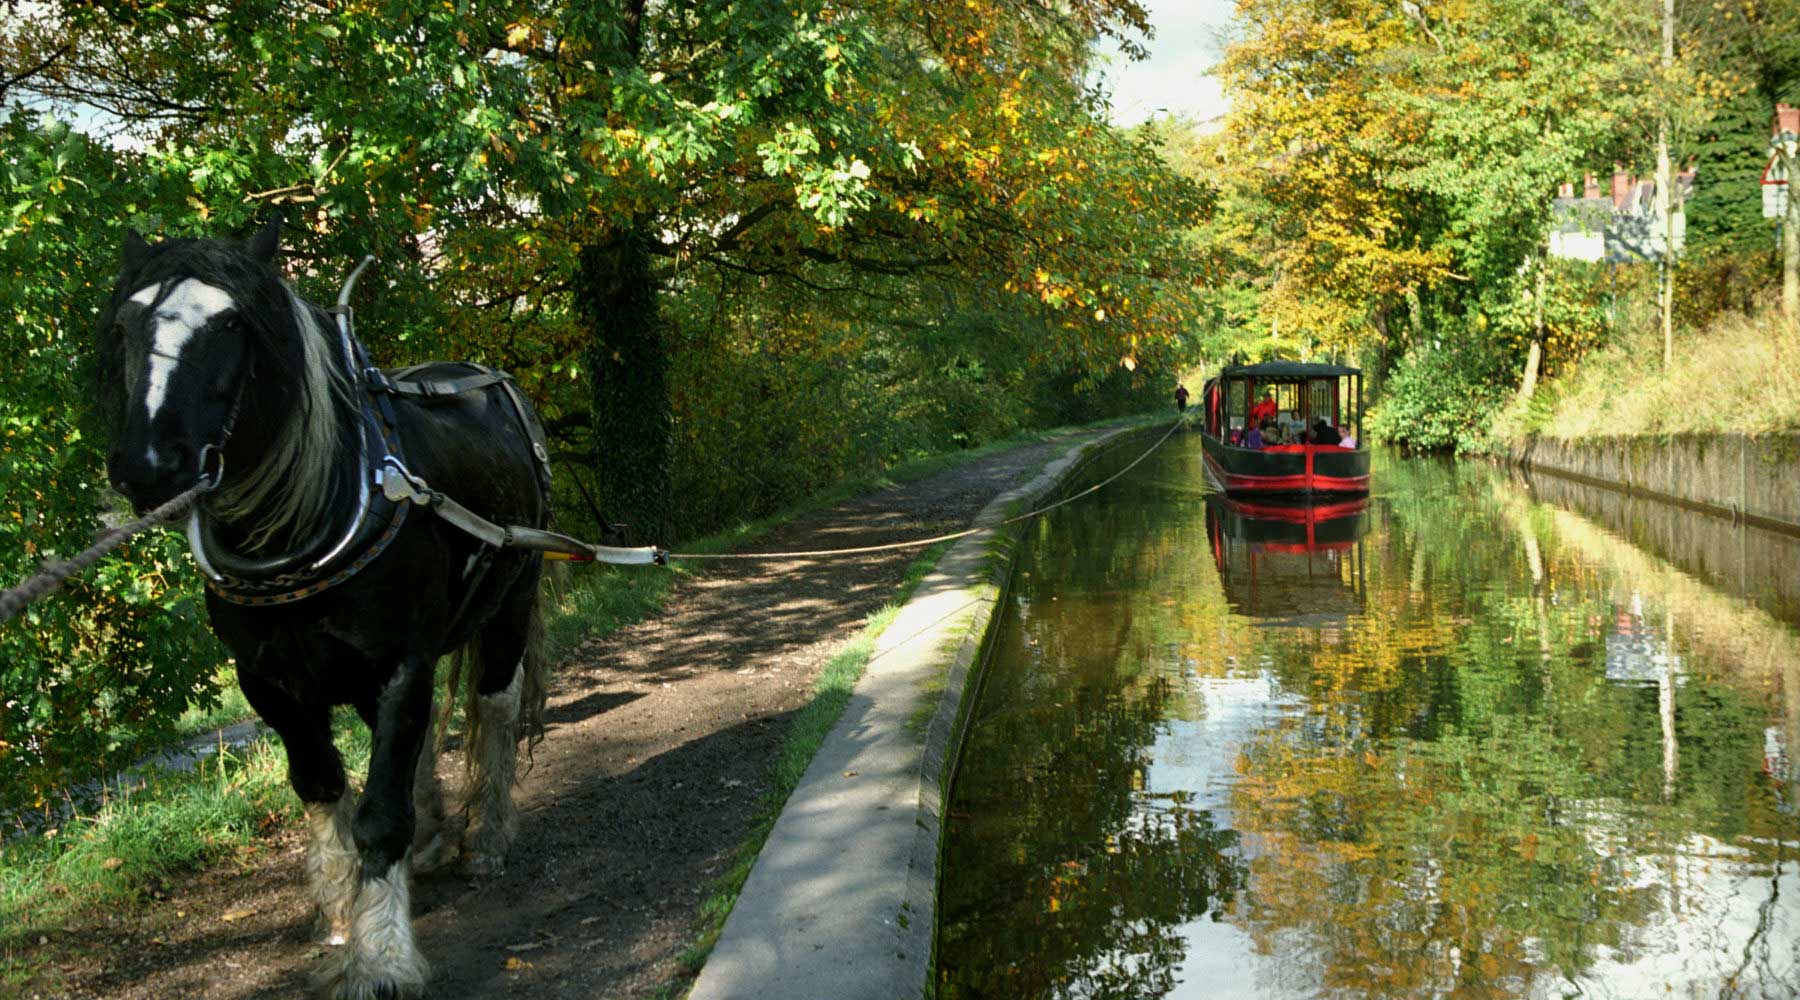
[[349, 979], [481, 864], [436, 852], [331, 935], [485, 847]]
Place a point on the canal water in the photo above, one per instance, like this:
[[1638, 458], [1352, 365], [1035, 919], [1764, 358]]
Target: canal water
[[1455, 741]]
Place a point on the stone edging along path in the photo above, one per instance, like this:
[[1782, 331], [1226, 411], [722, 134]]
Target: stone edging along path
[[842, 901]]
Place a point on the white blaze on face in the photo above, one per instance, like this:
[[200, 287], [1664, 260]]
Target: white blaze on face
[[183, 312]]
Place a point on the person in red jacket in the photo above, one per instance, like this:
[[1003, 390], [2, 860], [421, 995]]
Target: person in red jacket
[[1264, 410]]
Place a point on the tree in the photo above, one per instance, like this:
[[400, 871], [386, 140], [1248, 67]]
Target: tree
[[620, 147], [1343, 242]]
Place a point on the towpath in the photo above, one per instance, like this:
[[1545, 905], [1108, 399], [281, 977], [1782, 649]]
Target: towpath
[[662, 737]]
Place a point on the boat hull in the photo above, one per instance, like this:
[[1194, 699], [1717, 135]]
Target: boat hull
[[1292, 470]]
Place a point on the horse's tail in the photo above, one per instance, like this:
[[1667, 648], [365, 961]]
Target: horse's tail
[[466, 669], [534, 685]]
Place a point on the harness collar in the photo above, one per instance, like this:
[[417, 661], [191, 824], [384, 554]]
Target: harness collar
[[332, 555]]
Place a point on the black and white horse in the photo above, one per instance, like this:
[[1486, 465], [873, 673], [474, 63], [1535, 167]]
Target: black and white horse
[[326, 589]]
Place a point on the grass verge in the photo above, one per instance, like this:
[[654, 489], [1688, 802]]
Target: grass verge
[[175, 822], [179, 821], [1741, 374]]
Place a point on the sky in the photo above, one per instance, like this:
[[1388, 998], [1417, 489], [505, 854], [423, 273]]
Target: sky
[[1189, 38]]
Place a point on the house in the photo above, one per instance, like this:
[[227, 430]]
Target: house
[[1621, 226]]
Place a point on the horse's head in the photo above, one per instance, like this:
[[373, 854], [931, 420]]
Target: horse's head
[[177, 343]]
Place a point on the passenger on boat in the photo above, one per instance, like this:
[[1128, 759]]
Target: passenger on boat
[[1264, 411], [1347, 441], [1323, 433], [1253, 439]]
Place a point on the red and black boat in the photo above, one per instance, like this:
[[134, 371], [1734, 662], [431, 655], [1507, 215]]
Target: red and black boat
[[1292, 396]]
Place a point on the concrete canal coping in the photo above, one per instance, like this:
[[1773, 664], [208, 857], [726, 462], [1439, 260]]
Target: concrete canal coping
[[841, 903], [1752, 479]]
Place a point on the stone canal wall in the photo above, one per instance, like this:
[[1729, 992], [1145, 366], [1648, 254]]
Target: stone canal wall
[[1755, 480], [841, 903]]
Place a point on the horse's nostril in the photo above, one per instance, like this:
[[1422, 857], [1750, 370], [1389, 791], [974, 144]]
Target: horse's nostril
[[171, 458]]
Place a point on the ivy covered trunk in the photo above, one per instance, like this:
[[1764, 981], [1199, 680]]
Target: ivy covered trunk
[[628, 367]]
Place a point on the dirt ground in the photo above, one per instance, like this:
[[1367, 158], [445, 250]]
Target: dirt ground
[[660, 747]]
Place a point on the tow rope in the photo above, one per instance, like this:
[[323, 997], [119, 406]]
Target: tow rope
[[55, 572], [553, 544], [583, 552]]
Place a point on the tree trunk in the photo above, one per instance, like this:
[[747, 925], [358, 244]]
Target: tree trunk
[[1534, 356], [1790, 243], [1415, 317], [627, 365], [1665, 176]]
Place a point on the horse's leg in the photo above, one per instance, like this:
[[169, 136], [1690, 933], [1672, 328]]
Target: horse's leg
[[432, 843], [317, 774], [492, 749], [382, 961]]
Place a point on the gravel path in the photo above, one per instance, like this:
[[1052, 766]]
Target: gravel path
[[661, 741]]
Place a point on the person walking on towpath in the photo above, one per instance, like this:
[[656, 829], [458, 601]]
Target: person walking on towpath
[[1181, 398]]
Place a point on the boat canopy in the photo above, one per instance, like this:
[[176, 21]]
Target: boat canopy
[[1303, 391], [1271, 370]]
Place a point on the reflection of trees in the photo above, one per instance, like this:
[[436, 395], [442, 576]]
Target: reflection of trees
[[1469, 808], [1062, 876]]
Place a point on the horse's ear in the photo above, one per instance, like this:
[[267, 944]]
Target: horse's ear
[[267, 240], [134, 250]]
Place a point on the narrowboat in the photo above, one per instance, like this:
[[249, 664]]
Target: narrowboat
[[1291, 397]]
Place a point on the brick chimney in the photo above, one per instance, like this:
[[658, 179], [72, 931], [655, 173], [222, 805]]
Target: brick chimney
[[1565, 190], [1621, 188], [1590, 187], [1787, 119]]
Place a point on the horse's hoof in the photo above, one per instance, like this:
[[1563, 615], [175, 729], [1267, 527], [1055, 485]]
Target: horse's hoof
[[346, 981], [481, 864], [439, 851]]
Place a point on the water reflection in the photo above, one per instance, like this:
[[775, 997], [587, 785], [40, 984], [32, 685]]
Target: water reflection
[[1289, 562], [1494, 751]]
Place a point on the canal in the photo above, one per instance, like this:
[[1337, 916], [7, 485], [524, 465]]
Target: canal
[[1457, 741]]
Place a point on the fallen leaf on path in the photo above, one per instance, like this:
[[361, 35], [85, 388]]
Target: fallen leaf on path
[[515, 963], [851, 774], [236, 915]]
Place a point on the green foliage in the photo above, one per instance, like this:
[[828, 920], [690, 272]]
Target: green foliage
[[112, 662], [1441, 399]]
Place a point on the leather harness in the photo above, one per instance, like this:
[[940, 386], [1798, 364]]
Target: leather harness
[[387, 489]]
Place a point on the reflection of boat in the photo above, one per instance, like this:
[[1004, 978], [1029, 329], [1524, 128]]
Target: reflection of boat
[[1301, 394], [1292, 562]]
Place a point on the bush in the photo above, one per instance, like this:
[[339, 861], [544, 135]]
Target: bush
[[110, 663], [1442, 400]]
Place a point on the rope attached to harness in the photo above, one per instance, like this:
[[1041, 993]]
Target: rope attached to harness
[[399, 486]]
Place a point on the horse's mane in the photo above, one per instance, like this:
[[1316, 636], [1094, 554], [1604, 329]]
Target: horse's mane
[[296, 381], [287, 493]]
